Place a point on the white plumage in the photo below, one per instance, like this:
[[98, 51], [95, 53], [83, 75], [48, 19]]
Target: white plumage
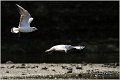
[[25, 20], [64, 48]]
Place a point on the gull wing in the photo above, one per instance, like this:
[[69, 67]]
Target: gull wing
[[24, 18], [68, 46], [30, 20]]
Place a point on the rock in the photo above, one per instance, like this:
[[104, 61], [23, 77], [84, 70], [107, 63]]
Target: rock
[[69, 68], [12, 66], [45, 68], [2, 67], [53, 70], [78, 67], [63, 67], [9, 62], [7, 71], [79, 75], [23, 65], [70, 71]]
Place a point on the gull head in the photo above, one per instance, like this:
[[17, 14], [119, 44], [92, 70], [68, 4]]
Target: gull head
[[34, 29]]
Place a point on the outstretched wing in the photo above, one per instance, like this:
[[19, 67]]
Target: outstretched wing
[[68, 47], [24, 18]]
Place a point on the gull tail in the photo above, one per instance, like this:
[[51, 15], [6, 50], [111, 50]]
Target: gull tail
[[15, 30], [79, 47]]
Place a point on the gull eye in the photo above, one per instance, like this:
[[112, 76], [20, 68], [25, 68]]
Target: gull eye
[[34, 28]]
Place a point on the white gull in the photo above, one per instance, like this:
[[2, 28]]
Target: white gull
[[64, 48], [24, 24]]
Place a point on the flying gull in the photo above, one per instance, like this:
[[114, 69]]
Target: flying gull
[[64, 48], [25, 20]]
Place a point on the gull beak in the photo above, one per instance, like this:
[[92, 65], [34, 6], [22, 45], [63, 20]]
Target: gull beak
[[36, 29]]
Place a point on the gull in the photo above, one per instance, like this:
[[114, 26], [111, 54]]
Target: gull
[[64, 48], [25, 20]]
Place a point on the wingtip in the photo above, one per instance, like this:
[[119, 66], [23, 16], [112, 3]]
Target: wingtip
[[16, 4]]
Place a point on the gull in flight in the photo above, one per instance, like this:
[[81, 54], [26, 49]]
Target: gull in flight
[[64, 48], [25, 20]]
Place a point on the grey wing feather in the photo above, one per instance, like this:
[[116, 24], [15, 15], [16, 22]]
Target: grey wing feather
[[69, 46], [24, 18]]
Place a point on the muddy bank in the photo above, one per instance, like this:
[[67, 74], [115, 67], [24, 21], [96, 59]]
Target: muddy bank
[[59, 71]]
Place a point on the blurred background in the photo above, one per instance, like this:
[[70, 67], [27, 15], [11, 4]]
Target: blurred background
[[94, 24]]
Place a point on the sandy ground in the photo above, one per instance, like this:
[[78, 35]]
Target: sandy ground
[[56, 71]]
